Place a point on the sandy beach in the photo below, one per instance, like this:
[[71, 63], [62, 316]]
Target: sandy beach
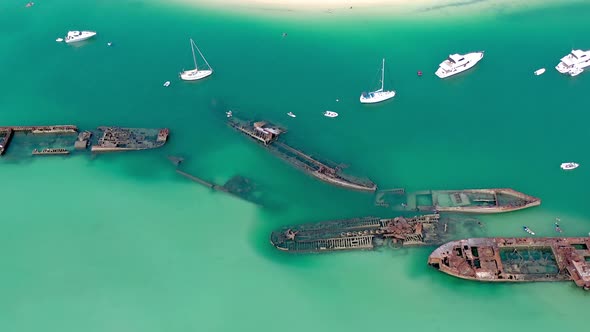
[[384, 7]]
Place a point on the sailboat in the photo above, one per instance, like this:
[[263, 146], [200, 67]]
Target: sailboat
[[379, 95], [196, 74]]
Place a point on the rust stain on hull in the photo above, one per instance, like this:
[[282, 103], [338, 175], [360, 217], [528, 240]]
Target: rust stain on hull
[[516, 259]]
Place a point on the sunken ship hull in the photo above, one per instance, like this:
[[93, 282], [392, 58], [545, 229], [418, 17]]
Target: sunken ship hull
[[359, 234], [516, 259], [480, 201], [129, 139], [267, 135]]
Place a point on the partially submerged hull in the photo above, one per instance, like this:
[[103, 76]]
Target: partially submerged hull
[[267, 135], [129, 139], [481, 201], [359, 234], [516, 259]]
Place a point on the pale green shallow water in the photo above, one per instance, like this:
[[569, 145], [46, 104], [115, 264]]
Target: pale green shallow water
[[121, 243]]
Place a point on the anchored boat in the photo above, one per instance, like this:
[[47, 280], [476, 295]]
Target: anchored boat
[[458, 63], [516, 259], [196, 74], [378, 95]]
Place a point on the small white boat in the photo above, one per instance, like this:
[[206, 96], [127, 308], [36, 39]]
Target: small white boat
[[167, 83], [569, 166], [575, 71], [59, 40], [330, 114], [109, 44], [539, 71], [528, 230], [229, 114], [78, 36], [458, 63], [196, 74], [379, 95], [291, 114]]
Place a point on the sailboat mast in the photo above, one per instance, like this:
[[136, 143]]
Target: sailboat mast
[[382, 74], [194, 57]]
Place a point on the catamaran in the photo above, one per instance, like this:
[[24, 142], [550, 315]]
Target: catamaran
[[379, 95], [196, 74]]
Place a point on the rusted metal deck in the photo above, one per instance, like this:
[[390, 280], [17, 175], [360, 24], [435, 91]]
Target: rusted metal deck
[[516, 259]]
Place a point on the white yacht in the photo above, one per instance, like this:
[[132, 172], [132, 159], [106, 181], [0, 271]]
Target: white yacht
[[379, 95], [330, 114], [77, 36], [196, 74], [577, 58], [457, 63], [291, 114], [569, 166]]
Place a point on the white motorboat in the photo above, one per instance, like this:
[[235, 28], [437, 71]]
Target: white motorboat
[[330, 114], [528, 230], [78, 36], [229, 114], [196, 74], [569, 166], [539, 71], [291, 114], [379, 95], [167, 83], [59, 40], [575, 71], [577, 58], [458, 63]]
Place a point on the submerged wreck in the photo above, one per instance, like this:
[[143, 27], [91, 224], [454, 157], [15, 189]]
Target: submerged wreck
[[267, 135], [516, 259], [458, 201], [360, 233]]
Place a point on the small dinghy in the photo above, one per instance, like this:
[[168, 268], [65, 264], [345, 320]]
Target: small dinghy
[[59, 40], [557, 229], [569, 166], [539, 71], [229, 114], [330, 114], [291, 115], [167, 83], [109, 44], [528, 230]]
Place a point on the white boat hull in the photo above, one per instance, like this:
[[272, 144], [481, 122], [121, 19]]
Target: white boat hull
[[575, 71], [540, 71], [84, 35], [569, 166], [473, 58], [330, 114], [195, 74], [376, 97], [570, 62]]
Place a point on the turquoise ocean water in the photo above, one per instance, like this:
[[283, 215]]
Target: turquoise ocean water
[[121, 243]]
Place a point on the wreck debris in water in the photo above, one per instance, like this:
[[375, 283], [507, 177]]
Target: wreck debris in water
[[516, 259], [360, 233], [267, 135]]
